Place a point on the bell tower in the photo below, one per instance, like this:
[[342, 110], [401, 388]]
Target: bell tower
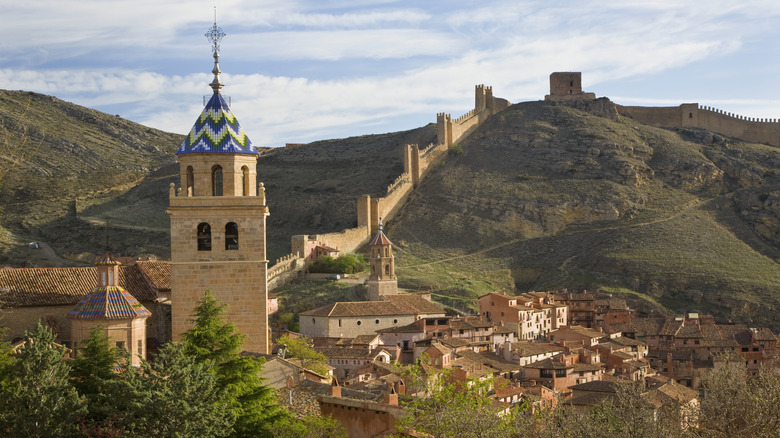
[[218, 220], [382, 280]]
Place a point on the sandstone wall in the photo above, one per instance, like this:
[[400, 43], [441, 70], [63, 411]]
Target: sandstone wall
[[693, 115]]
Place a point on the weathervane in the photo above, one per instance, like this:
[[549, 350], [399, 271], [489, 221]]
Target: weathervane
[[214, 36]]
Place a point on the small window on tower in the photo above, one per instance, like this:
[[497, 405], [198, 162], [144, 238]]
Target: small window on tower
[[190, 182], [216, 181], [387, 269], [204, 237], [231, 236], [245, 180]]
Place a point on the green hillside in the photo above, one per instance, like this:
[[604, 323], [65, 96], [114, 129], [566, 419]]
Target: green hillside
[[558, 197], [541, 196]]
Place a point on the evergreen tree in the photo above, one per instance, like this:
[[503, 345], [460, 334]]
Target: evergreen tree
[[6, 359], [40, 400], [95, 365], [212, 340], [174, 396]]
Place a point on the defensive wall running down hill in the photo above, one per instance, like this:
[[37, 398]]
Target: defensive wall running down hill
[[568, 86], [370, 211], [693, 115]]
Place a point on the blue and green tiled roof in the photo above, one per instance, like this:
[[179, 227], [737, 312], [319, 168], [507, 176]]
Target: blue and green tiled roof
[[217, 130], [111, 302]]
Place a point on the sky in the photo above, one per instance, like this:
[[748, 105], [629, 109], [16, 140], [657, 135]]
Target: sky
[[303, 70]]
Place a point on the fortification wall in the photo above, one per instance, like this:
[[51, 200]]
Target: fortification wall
[[416, 164], [693, 115]]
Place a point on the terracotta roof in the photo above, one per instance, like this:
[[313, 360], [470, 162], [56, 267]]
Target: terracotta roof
[[358, 308], [22, 287], [765, 335], [347, 353], [414, 303], [549, 364], [502, 330], [380, 239], [158, 272], [579, 366], [453, 342], [490, 359], [595, 386], [409, 328], [533, 348], [364, 339], [109, 302]]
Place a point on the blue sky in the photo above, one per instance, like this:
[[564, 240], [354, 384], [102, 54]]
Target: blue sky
[[299, 71]]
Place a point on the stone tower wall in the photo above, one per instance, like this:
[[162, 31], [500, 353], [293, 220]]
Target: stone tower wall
[[238, 278]]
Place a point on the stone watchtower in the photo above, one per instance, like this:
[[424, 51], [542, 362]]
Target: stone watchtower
[[382, 280], [218, 223], [114, 310]]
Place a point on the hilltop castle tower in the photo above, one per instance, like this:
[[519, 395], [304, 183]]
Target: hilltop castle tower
[[218, 222], [382, 280]]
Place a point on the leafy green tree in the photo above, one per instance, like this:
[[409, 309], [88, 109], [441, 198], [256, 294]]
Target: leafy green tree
[[6, 359], [173, 396], [455, 409], [311, 426], [300, 348], [345, 264], [40, 400], [211, 340]]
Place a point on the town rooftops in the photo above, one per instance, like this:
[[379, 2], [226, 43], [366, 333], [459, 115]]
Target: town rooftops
[[22, 287], [159, 273], [414, 303]]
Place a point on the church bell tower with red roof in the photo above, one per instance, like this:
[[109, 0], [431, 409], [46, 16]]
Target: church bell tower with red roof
[[382, 280]]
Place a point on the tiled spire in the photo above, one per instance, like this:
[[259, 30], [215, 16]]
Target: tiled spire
[[217, 129]]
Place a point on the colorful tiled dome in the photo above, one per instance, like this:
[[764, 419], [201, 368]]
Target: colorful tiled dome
[[107, 259], [217, 130], [111, 302]]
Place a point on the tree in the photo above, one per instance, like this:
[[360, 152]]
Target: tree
[[40, 401], [310, 426], [211, 340], [173, 396], [300, 348], [93, 367], [6, 359], [454, 408]]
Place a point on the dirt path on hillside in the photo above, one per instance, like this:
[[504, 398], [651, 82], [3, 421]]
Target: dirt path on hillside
[[689, 207]]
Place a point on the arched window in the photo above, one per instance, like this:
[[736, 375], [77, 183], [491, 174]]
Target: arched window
[[245, 180], [387, 269], [387, 252], [190, 181], [216, 180], [204, 237], [231, 236]]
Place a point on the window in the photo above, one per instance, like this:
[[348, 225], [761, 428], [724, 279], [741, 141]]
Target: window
[[140, 347], [245, 180], [216, 180], [120, 345], [395, 321], [387, 269], [339, 323], [190, 182], [376, 322], [313, 321], [204, 237], [358, 323], [231, 236]]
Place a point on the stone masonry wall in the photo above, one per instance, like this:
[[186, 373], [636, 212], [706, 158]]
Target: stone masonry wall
[[693, 115]]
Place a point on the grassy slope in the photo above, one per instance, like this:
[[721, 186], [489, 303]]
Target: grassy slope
[[517, 206]]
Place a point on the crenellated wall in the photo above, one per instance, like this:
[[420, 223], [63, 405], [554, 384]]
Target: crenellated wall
[[693, 115], [416, 164]]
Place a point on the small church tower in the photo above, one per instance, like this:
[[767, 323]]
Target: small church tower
[[114, 310], [382, 280], [218, 219]]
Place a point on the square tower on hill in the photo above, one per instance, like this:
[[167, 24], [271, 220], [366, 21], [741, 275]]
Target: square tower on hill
[[567, 85]]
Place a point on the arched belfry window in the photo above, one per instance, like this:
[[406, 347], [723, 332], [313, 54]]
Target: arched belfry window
[[387, 269], [204, 237], [231, 236], [245, 180], [216, 180], [190, 181]]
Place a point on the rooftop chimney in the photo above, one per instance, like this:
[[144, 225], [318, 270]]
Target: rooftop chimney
[[335, 389]]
